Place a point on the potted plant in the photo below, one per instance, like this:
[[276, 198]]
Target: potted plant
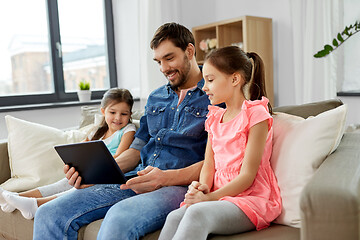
[[84, 92]]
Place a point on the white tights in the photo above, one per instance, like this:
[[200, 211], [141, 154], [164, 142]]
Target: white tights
[[57, 188], [201, 219]]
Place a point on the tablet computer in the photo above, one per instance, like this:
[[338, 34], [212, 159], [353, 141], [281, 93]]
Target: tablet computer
[[93, 161]]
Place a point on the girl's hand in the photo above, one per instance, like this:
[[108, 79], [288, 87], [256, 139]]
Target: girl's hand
[[204, 188], [195, 197], [197, 186]]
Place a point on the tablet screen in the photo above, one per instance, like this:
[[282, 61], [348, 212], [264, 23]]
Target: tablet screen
[[93, 161]]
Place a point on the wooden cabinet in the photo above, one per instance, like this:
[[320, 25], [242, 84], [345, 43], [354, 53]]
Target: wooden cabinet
[[252, 34]]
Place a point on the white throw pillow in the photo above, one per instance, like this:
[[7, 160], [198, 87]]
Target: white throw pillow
[[33, 160], [299, 147]]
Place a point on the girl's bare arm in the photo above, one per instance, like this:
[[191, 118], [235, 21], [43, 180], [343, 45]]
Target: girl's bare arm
[[252, 159], [125, 143]]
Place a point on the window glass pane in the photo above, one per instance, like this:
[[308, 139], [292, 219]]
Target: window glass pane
[[24, 48], [351, 47], [82, 31]]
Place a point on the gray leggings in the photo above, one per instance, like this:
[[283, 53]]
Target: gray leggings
[[201, 219]]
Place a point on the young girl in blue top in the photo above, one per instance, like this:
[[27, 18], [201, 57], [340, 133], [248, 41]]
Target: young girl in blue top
[[117, 132]]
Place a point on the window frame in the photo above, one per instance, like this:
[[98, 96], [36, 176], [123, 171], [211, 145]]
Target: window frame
[[59, 95]]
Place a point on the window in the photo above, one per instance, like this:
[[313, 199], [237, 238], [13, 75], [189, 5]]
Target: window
[[48, 46], [350, 82]]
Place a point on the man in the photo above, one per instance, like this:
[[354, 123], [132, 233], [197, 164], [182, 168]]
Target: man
[[166, 155]]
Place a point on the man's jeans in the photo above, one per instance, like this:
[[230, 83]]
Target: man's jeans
[[128, 215]]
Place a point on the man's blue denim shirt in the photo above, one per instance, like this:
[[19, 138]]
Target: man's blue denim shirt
[[171, 136]]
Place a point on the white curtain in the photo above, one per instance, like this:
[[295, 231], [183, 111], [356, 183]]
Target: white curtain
[[149, 21], [135, 22], [314, 24]]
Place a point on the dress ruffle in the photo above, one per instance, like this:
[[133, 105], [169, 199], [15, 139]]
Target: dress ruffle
[[248, 104], [214, 114]]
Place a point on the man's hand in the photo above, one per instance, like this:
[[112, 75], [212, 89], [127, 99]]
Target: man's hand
[[149, 179], [73, 178]]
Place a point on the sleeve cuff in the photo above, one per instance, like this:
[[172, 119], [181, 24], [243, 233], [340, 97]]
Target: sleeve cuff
[[138, 144]]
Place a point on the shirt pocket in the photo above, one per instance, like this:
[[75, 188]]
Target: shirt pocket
[[154, 117], [193, 123]]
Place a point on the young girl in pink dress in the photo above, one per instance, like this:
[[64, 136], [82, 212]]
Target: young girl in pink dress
[[237, 190]]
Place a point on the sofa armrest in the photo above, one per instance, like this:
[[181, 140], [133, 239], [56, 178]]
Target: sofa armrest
[[4, 162], [330, 202], [310, 109]]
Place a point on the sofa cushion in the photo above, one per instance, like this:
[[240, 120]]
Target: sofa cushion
[[299, 147], [88, 114], [13, 226], [275, 231], [32, 158]]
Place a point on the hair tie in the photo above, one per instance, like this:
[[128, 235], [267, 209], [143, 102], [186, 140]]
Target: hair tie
[[248, 55]]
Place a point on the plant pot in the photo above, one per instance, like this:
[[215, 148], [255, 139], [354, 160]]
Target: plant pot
[[84, 95]]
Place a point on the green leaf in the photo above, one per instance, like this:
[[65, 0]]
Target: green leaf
[[321, 54], [84, 85], [328, 48], [340, 38], [335, 43]]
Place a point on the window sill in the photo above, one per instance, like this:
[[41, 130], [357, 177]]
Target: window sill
[[342, 94], [47, 105]]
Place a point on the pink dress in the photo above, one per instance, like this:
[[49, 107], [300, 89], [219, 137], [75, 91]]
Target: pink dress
[[261, 202]]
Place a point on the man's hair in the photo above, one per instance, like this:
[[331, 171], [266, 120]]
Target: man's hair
[[179, 35]]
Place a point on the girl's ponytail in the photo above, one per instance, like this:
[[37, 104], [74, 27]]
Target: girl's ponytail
[[233, 59], [257, 87]]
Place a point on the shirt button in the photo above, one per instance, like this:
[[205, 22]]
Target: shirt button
[[172, 108], [189, 94], [177, 110], [158, 139], [197, 113], [171, 129], [154, 154], [153, 111]]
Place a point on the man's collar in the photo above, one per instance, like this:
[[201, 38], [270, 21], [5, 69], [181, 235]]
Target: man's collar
[[201, 83]]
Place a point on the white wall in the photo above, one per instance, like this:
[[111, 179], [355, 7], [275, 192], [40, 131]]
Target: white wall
[[353, 114], [61, 118]]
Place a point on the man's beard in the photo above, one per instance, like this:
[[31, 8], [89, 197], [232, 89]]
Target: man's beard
[[183, 77]]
